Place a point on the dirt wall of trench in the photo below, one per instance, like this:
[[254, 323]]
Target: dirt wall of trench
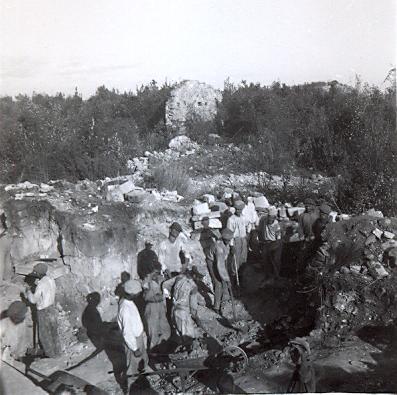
[[91, 251]]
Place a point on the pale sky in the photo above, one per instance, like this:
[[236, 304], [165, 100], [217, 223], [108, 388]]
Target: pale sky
[[55, 45]]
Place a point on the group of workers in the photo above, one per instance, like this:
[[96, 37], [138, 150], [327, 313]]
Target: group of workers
[[168, 282]]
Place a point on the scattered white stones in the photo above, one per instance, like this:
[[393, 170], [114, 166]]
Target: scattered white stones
[[214, 223], [378, 233], [388, 235], [182, 144], [22, 185], [45, 188], [201, 209], [377, 270], [374, 213]]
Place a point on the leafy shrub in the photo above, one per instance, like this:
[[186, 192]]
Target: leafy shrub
[[170, 176], [318, 127]]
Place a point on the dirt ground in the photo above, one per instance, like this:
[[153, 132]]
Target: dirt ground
[[365, 361]]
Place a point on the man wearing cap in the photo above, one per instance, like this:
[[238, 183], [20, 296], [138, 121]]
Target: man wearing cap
[[11, 332], [208, 236], [237, 223], [172, 251], [319, 226], [44, 298], [218, 262], [270, 238], [303, 379], [134, 336], [306, 221]]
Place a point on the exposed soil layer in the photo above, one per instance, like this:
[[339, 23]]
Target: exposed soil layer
[[347, 315]]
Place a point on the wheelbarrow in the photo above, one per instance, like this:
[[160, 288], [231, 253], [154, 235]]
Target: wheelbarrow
[[230, 357]]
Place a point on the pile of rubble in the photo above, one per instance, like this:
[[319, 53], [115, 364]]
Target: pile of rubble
[[208, 208], [178, 147], [128, 191], [361, 288], [221, 170]]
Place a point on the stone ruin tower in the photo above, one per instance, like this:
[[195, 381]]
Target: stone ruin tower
[[191, 99]]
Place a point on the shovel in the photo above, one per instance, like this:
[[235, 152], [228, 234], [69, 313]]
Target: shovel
[[229, 287]]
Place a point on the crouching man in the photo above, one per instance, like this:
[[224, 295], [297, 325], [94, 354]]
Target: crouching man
[[155, 310], [184, 293], [134, 336], [44, 298]]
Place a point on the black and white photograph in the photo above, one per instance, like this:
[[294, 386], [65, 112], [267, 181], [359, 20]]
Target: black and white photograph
[[198, 197]]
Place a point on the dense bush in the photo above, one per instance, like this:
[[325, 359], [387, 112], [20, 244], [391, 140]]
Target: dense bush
[[329, 128], [49, 137], [170, 176], [319, 127]]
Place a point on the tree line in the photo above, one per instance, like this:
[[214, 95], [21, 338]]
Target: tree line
[[318, 127]]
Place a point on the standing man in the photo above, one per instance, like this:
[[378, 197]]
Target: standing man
[[134, 336], [237, 223], [250, 214], [270, 237], [172, 252], [208, 236], [307, 219], [319, 226], [44, 298], [217, 258], [147, 261]]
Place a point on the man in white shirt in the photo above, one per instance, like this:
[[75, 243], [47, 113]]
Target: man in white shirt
[[131, 327], [172, 251], [250, 214], [44, 298], [238, 224]]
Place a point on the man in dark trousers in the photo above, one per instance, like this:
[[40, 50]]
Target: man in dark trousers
[[134, 336], [44, 298], [218, 257]]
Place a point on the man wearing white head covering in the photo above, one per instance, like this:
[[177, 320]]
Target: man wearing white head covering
[[131, 327]]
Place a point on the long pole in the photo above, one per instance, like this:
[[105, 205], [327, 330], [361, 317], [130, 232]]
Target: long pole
[[229, 287]]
